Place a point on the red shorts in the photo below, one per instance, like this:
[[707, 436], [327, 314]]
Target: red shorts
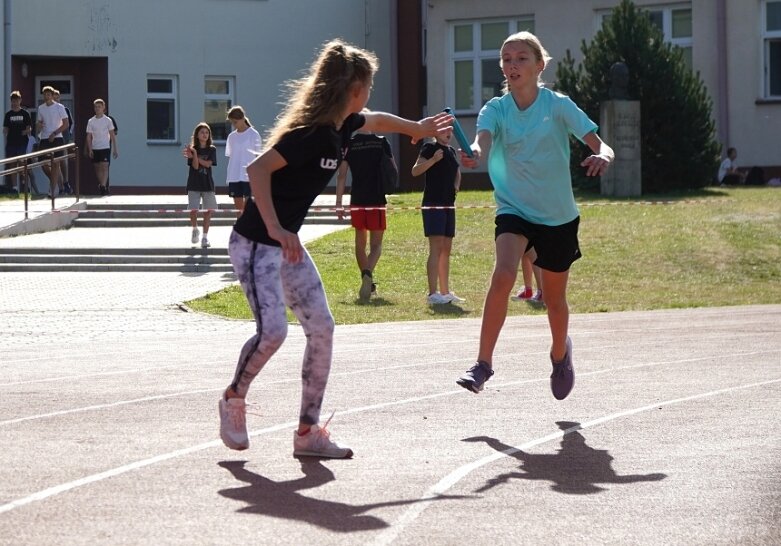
[[373, 219]]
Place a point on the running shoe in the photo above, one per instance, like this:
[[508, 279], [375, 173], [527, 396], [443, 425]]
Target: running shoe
[[196, 235], [437, 299], [563, 377], [365, 291], [233, 423], [524, 294], [317, 443], [452, 298], [205, 242], [475, 377]]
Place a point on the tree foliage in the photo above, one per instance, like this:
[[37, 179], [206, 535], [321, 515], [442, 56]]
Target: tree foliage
[[678, 144]]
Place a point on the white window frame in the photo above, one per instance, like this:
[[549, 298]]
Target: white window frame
[[477, 56], [230, 96], [174, 96], [767, 37], [667, 22]]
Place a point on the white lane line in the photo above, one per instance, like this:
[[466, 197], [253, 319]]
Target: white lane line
[[56, 490], [360, 372], [395, 529]]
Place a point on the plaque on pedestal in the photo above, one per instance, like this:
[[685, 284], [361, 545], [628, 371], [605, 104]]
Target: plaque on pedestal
[[619, 127]]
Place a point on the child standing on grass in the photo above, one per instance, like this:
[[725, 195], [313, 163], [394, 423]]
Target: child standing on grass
[[201, 157], [443, 179], [303, 150], [525, 136]]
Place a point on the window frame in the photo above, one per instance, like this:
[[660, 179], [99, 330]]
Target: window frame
[[229, 97], [173, 96], [477, 56], [686, 42], [768, 37]]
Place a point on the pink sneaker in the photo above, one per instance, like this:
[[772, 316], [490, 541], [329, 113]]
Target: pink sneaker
[[525, 294]]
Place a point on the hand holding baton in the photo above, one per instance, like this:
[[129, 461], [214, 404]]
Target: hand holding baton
[[460, 136]]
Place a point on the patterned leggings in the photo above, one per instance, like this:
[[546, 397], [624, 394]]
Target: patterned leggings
[[269, 283]]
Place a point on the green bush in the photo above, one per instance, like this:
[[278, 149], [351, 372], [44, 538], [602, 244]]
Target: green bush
[[678, 144]]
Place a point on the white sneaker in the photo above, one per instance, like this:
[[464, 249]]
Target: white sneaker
[[452, 298], [205, 242], [437, 299], [317, 443], [233, 423], [196, 234]]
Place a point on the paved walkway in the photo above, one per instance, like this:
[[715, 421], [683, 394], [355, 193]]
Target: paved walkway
[[108, 395]]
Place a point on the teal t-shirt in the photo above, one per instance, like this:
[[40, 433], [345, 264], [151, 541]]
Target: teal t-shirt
[[529, 158]]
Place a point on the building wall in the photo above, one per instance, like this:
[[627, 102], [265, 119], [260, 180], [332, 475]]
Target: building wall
[[262, 43], [748, 124]]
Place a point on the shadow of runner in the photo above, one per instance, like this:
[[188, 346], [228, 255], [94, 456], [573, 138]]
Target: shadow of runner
[[575, 469], [283, 500]]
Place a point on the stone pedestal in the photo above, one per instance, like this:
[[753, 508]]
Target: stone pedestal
[[619, 127]]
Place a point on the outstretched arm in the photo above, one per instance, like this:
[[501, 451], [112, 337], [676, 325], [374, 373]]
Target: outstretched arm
[[383, 122], [481, 147]]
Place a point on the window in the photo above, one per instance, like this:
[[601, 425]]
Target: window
[[161, 109], [675, 22], [218, 98], [475, 76], [771, 35]]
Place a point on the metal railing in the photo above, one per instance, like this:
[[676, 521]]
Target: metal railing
[[40, 159]]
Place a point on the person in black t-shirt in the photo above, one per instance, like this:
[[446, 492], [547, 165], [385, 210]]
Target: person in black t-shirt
[[367, 202], [303, 150], [201, 157], [443, 178], [17, 126]]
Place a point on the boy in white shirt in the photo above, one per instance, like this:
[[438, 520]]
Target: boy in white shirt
[[101, 140], [52, 121]]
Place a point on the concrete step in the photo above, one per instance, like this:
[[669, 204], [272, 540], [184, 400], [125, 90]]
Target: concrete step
[[184, 251], [134, 267], [110, 259]]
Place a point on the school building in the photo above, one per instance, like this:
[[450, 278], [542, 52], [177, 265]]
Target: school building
[[164, 66]]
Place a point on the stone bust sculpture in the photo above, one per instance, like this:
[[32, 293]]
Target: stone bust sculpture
[[619, 81]]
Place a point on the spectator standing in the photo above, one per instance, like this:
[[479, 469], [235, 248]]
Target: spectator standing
[[17, 126], [101, 143], [242, 146], [201, 157], [439, 162], [367, 202], [67, 135], [52, 121]]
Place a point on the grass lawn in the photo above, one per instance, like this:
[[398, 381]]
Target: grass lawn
[[714, 247]]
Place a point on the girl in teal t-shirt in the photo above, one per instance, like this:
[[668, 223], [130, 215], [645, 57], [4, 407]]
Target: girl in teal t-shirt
[[525, 136]]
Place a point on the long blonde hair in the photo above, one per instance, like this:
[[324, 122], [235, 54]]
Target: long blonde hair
[[540, 53], [321, 97]]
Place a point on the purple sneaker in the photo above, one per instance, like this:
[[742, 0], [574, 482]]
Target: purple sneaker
[[563, 377], [475, 377]]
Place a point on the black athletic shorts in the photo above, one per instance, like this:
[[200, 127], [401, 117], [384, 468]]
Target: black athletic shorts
[[556, 246], [44, 144]]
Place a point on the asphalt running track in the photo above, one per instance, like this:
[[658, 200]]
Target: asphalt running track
[[670, 436]]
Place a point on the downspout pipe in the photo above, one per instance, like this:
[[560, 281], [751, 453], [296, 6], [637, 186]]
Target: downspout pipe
[[722, 73], [7, 48]]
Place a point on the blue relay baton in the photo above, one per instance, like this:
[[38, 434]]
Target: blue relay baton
[[460, 136]]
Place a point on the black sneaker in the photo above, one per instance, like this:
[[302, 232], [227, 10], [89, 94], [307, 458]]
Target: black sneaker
[[563, 377], [475, 377]]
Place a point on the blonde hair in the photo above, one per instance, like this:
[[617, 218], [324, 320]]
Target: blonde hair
[[99, 101], [540, 53], [321, 97]]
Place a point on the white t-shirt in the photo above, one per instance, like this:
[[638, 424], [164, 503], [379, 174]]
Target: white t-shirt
[[51, 117], [99, 127], [241, 148], [725, 166]]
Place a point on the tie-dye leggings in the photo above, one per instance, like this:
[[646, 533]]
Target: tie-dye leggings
[[269, 283]]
